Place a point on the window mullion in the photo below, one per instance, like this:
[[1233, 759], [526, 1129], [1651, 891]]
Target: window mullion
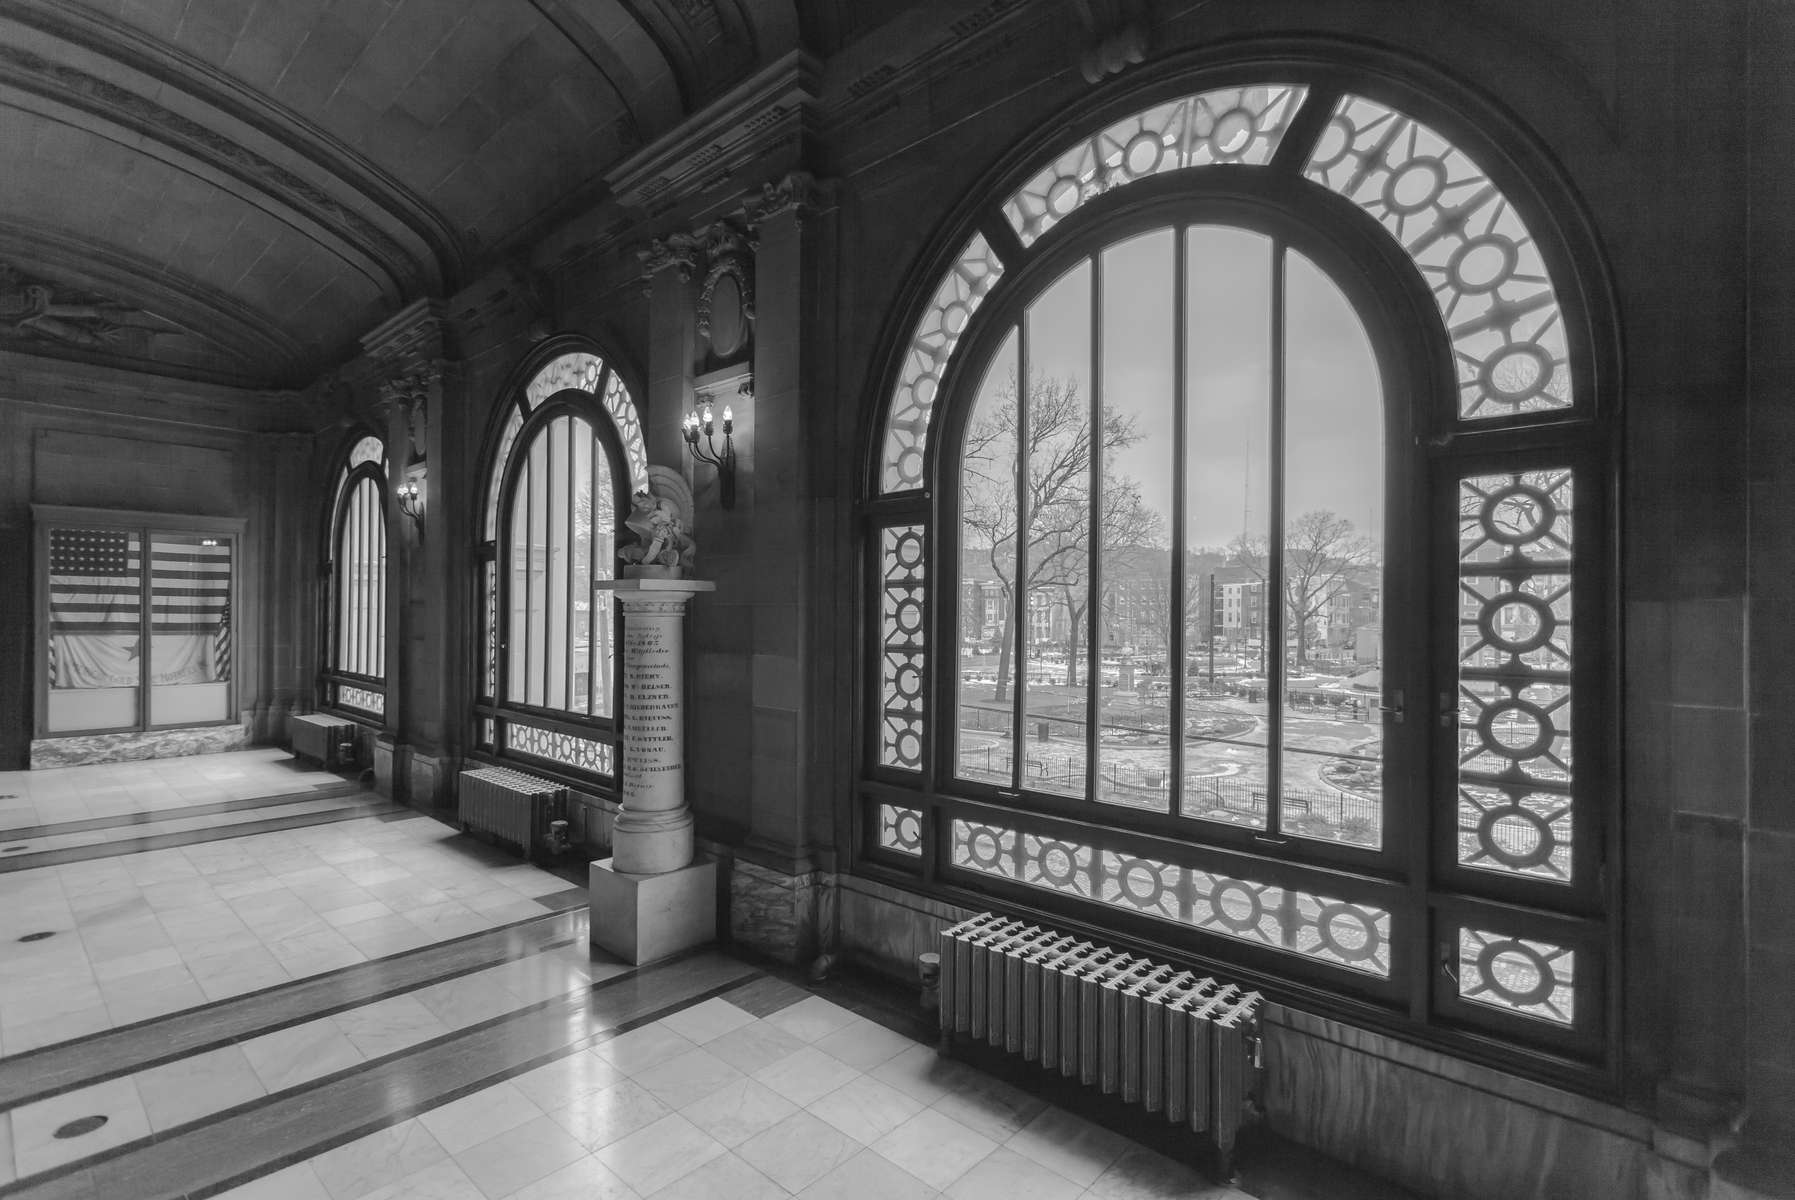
[[1093, 600], [1272, 632], [1019, 575], [1176, 608]]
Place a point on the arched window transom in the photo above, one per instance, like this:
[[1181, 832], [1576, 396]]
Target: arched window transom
[[1230, 534]]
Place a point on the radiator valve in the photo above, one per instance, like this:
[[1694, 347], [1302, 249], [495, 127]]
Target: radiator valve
[[928, 975], [557, 837]]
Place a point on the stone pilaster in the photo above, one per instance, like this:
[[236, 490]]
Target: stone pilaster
[[410, 353]]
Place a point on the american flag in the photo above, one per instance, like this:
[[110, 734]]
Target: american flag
[[190, 595], [96, 606], [96, 581]]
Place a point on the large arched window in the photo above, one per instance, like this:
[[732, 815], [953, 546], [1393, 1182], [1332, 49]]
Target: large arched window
[[566, 454], [354, 676], [1238, 488]]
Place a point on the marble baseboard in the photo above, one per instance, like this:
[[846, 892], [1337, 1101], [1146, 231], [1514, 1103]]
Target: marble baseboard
[[82, 750], [385, 756], [885, 928], [777, 914], [591, 819], [1434, 1123], [426, 780]]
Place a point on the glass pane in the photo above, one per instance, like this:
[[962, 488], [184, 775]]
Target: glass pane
[[579, 640], [361, 583], [190, 629], [1355, 936], [602, 499], [518, 620], [932, 344], [902, 637], [1230, 126], [1134, 618], [560, 514], [536, 647], [1470, 245], [1227, 510], [489, 576], [1056, 535], [96, 628], [986, 672], [1332, 733], [512, 425], [1514, 778], [1520, 975]]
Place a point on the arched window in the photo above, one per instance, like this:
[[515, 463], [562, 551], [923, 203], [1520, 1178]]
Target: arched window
[[1238, 488], [355, 587], [566, 455]]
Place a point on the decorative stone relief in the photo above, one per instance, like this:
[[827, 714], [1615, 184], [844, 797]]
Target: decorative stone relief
[[726, 299], [34, 310], [409, 353]]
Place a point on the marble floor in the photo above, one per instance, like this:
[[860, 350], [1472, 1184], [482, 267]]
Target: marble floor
[[375, 1007]]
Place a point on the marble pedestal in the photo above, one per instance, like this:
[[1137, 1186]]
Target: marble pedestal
[[649, 899], [641, 918]]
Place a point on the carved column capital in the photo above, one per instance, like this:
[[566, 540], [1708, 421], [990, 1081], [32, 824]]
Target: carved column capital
[[797, 192], [678, 251]]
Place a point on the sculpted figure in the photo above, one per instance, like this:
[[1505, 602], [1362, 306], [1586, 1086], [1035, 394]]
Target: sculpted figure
[[663, 546]]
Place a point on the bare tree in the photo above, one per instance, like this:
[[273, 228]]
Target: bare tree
[[1322, 554], [1056, 491]]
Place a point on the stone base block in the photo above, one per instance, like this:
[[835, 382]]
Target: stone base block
[[641, 918], [779, 915], [81, 750]]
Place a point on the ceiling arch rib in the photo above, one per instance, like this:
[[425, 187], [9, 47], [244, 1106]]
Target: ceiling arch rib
[[69, 96], [438, 262], [621, 50]]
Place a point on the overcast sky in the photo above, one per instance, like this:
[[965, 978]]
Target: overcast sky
[[1333, 403]]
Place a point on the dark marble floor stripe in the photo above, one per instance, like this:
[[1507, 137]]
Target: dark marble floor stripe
[[188, 837], [766, 995], [205, 1157], [322, 791], [65, 1066], [571, 898]]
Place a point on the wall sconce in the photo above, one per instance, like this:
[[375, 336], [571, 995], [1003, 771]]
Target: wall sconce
[[723, 460], [411, 503], [208, 541]]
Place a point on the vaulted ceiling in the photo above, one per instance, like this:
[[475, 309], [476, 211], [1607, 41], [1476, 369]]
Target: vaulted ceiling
[[237, 189]]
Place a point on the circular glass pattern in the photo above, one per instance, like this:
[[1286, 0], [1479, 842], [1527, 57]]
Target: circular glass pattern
[[1517, 513], [1516, 729], [1416, 185], [1059, 865], [1142, 154], [1516, 622], [1236, 905], [1233, 132], [1482, 264], [1516, 374], [1141, 882], [1516, 837], [1516, 972], [1349, 932]]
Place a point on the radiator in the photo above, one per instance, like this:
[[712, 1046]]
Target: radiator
[[511, 806], [1182, 1046], [317, 736]]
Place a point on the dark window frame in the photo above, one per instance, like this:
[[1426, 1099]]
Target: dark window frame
[[1444, 447], [332, 678]]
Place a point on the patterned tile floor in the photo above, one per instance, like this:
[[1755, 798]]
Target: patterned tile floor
[[380, 1009]]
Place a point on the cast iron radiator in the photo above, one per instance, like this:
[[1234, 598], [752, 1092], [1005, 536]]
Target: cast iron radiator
[[511, 806], [1182, 1046], [318, 736]]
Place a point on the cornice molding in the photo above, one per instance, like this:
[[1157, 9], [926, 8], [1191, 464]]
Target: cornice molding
[[747, 126], [975, 37], [62, 384], [219, 91]]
